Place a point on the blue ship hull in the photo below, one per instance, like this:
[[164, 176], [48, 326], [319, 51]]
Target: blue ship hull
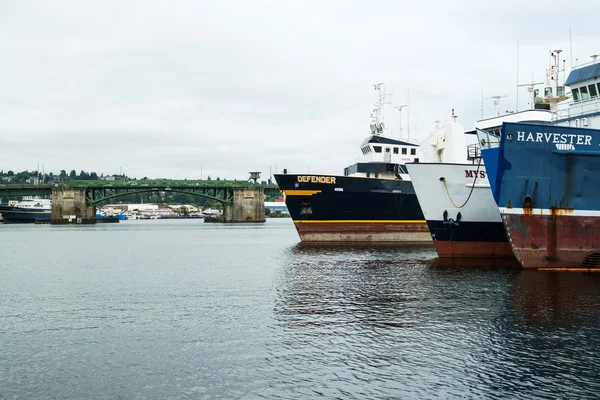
[[120, 217], [547, 188]]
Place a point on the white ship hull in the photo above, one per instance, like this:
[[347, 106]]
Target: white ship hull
[[459, 208]]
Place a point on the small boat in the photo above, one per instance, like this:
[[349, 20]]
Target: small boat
[[108, 214], [28, 210]]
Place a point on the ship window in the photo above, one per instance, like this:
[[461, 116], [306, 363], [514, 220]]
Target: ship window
[[305, 207], [404, 150], [593, 91], [598, 87], [413, 152], [377, 149], [547, 92], [395, 150], [575, 94], [416, 160], [387, 149], [584, 93]]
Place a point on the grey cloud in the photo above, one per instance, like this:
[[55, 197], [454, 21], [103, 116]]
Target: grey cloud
[[160, 88]]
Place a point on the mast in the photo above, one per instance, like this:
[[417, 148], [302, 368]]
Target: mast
[[408, 113], [517, 107], [377, 115], [399, 108]]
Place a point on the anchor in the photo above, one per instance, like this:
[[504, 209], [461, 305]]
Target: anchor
[[450, 221]]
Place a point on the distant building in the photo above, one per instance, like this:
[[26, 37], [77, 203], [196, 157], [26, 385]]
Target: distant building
[[277, 205], [187, 207], [114, 177]]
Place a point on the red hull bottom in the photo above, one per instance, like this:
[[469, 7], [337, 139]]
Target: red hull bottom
[[356, 231], [473, 249], [554, 241]]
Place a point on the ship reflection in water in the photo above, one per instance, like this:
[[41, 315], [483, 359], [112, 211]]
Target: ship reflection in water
[[564, 299], [385, 322]]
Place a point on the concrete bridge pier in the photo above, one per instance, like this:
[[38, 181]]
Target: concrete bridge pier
[[70, 206], [248, 206]]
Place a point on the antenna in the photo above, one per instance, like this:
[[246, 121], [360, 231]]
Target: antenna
[[530, 89], [571, 47], [408, 112], [377, 126], [399, 108], [497, 103], [517, 107], [481, 101], [558, 51]]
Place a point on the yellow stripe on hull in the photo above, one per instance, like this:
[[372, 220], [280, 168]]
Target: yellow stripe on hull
[[301, 192]]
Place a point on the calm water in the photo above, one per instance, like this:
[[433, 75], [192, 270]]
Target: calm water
[[183, 309]]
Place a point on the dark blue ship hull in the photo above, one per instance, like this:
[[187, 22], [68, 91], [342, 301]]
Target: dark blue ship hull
[[23, 215], [332, 208], [547, 188]]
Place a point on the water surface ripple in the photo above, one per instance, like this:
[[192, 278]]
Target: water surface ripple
[[183, 309]]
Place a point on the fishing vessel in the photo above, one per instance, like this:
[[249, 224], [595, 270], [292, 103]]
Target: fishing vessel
[[454, 191], [455, 195], [28, 210], [374, 201], [546, 184]]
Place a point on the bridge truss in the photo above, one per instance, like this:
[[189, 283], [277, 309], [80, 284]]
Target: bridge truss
[[98, 191]]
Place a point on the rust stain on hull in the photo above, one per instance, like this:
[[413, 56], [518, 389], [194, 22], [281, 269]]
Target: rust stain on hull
[[559, 240]]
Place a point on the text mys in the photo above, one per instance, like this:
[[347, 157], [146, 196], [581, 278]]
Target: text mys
[[473, 173]]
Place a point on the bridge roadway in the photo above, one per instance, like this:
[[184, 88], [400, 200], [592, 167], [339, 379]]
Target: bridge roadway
[[98, 191]]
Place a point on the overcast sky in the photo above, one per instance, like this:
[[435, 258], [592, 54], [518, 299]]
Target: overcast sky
[[177, 89]]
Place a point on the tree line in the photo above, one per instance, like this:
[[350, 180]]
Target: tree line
[[26, 176]]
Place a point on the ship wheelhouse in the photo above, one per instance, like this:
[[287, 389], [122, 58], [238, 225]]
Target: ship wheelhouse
[[383, 157], [584, 108]]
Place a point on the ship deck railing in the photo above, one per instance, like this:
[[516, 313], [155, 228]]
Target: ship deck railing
[[579, 109], [473, 152]]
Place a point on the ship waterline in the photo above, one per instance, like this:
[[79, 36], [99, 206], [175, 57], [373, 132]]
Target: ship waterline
[[363, 231]]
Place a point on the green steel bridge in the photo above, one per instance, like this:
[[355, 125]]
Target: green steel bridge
[[99, 191]]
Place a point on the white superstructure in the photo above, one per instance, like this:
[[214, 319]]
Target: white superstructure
[[583, 109], [383, 156]]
